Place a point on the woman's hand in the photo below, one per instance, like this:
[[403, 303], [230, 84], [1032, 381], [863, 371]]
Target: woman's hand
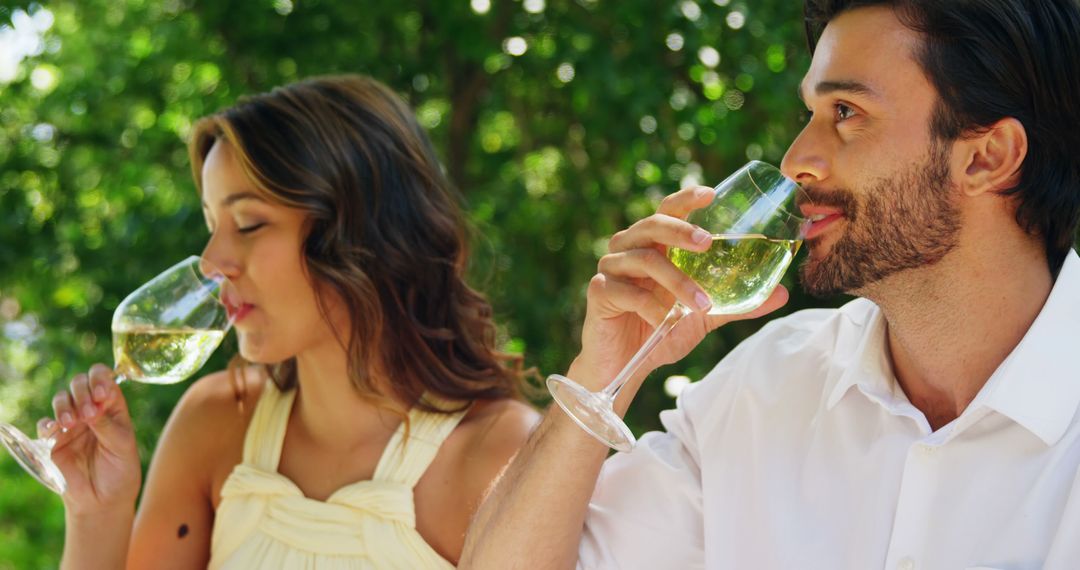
[[97, 452], [635, 287]]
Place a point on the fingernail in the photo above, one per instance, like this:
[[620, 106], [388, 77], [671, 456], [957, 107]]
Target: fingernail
[[99, 392], [703, 192], [89, 411], [67, 419], [702, 301], [50, 426], [700, 236]]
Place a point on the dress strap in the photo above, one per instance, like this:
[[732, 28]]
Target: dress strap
[[266, 432], [405, 460]]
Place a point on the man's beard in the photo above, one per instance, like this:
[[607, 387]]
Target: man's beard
[[905, 221]]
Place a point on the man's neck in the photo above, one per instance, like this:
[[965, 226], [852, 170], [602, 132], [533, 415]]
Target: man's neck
[[950, 326]]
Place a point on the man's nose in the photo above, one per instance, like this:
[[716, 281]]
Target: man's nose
[[806, 160]]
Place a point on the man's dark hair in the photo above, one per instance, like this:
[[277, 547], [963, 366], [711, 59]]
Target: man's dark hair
[[991, 59]]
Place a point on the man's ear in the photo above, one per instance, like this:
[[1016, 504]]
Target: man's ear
[[992, 157]]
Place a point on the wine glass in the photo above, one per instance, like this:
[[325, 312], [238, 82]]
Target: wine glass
[[755, 234], [163, 332]]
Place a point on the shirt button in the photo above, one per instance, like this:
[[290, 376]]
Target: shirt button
[[906, 564]]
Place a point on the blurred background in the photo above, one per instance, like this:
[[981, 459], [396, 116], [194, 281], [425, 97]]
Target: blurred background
[[562, 121]]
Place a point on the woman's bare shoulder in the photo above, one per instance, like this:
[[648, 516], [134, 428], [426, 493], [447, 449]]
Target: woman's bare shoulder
[[225, 390], [209, 422], [477, 451], [504, 411], [494, 430]]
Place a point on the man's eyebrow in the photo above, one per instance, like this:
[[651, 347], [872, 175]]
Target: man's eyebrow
[[234, 198], [828, 87]]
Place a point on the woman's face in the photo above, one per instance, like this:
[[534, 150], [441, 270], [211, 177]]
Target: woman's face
[[257, 245]]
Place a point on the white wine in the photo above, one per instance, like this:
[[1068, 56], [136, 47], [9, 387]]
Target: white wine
[[162, 356], [739, 271]]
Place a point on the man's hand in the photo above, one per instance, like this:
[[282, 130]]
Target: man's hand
[[535, 514], [635, 287]]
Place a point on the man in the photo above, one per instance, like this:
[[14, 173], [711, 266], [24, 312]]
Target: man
[[930, 424]]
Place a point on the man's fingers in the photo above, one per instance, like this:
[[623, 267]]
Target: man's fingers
[[663, 230], [651, 264], [681, 203], [621, 297], [777, 299]]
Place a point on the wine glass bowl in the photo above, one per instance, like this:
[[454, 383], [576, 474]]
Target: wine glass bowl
[[166, 329], [163, 332], [755, 235], [756, 231]]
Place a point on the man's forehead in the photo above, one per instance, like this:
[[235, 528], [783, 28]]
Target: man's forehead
[[849, 86], [864, 48]]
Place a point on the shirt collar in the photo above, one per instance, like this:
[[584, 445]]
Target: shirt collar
[[867, 365], [1036, 386]]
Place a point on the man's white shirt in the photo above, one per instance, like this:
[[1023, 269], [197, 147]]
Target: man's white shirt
[[800, 450]]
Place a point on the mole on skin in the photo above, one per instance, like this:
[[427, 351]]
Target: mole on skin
[[182, 531]]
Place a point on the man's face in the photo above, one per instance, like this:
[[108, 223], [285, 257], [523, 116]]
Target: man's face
[[879, 181]]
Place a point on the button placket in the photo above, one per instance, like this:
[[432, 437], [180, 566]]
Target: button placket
[[913, 506]]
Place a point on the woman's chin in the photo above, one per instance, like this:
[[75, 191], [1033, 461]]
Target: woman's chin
[[256, 352]]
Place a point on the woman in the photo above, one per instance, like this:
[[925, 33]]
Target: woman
[[372, 411]]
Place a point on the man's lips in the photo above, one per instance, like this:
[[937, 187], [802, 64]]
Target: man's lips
[[821, 224], [820, 217]]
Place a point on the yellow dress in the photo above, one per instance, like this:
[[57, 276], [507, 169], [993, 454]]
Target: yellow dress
[[264, 521]]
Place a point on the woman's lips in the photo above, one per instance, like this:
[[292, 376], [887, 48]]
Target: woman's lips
[[238, 313]]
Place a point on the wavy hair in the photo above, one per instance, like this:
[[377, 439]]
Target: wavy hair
[[385, 232]]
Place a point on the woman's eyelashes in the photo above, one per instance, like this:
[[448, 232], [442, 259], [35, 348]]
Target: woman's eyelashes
[[250, 227]]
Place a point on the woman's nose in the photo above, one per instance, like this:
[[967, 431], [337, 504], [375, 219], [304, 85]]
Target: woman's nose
[[216, 259]]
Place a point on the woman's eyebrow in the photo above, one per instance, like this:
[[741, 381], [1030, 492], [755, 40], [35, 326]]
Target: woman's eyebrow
[[234, 198]]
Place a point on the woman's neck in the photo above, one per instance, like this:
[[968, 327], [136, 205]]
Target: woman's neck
[[331, 410]]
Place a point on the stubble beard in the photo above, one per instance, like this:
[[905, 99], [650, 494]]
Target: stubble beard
[[904, 221]]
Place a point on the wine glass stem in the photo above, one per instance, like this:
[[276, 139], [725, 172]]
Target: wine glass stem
[[673, 317]]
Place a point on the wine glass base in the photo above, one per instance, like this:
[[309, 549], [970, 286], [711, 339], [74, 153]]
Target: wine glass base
[[592, 412], [35, 456]]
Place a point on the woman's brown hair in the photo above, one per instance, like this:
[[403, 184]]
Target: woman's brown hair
[[385, 233]]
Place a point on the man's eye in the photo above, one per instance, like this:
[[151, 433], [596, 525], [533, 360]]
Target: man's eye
[[844, 112], [249, 229]]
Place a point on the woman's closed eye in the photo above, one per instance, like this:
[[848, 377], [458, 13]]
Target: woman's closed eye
[[250, 228]]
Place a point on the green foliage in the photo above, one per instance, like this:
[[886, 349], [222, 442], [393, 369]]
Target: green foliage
[[31, 528], [561, 123]]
